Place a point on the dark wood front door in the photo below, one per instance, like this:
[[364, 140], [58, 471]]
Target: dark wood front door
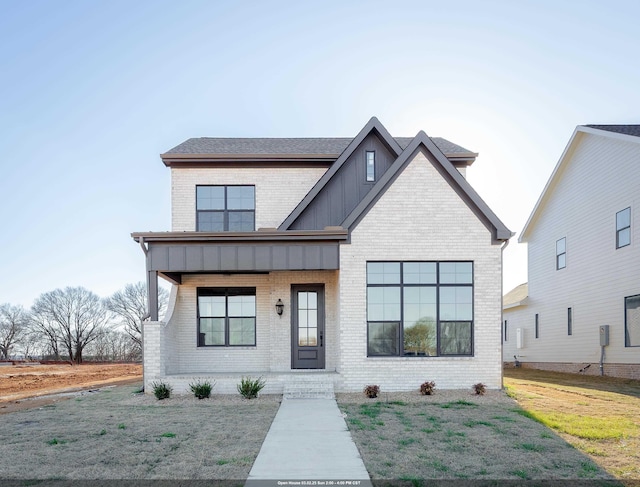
[[307, 326]]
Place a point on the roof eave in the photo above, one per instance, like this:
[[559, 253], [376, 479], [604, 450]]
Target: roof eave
[[170, 159], [330, 233]]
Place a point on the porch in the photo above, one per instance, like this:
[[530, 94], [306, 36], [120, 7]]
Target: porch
[[292, 384]]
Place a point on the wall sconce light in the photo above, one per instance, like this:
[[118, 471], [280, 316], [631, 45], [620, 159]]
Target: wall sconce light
[[279, 307]]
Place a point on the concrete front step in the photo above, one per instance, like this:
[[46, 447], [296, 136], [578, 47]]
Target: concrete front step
[[308, 389]]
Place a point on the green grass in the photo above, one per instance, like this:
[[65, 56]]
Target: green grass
[[585, 427], [532, 447], [56, 441], [475, 422], [460, 404], [168, 435]]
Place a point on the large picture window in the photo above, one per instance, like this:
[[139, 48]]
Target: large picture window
[[225, 208], [226, 317], [632, 321], [419, 308]]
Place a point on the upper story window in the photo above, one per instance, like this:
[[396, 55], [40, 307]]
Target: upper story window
[[623, 228], [561, 253], [419, 308], [371, 166], [225, 208]]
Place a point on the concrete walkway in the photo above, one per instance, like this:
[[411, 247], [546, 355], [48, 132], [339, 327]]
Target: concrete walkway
[[308, 442]]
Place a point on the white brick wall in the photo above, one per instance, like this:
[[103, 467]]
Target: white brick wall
[[597, 180], [420, 217], [272, 352], [278, 191]]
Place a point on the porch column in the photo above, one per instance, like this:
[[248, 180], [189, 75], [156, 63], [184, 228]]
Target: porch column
[[152, 291]]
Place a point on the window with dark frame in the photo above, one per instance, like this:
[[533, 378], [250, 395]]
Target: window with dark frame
[[371, 166], [537, 330], [419, 308], [632, 321], [506, 336], [226, 317], [623, 228], [225, 208], [569, 322], [561, 253]]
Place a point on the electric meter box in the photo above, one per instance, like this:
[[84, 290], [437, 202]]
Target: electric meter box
[[604, 335]]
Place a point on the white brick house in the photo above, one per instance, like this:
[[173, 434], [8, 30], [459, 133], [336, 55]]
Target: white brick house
[[583, 256], [364, 260]]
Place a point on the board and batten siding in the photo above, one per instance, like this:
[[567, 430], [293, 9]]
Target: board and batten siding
[[420, 218], [600, 178], [278, 191]]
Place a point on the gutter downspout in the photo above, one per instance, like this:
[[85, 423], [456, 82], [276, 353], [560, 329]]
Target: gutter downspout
[[144, 318]]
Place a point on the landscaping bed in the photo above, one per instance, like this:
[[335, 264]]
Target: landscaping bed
[[456, 435]]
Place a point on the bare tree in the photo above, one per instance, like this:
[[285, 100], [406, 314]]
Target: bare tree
[[13, 322], [130, 306], [70, 318], [114, 345]]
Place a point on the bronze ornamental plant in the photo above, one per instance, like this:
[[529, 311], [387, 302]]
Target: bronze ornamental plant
[[371, 391]]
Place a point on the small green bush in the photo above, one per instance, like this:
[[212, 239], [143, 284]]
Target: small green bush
[[427, 388], [202, 390], [249, 388], [161, 390], [372, 391], [479, 388]]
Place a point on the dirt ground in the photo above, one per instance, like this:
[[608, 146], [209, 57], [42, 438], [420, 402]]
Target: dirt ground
[[24, 386], [116, 433]]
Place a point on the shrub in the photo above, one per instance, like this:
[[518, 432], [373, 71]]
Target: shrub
[[161, 390], [249, 388], [202, 390], [371, 391], [427, 388], [479, 388]]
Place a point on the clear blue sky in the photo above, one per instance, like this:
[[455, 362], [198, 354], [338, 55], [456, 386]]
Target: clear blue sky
[[92, 91]]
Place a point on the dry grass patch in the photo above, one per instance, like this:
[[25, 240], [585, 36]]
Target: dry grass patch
[[598, 415], [116, 434], [455, 435]]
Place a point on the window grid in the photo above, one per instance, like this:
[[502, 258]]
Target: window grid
[[228, 321], [561, 253], [225, 208], [623, 228], [408, 276], [370, 166]]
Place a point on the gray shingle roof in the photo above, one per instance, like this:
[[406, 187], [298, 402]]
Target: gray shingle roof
[[620, 129], [329, 145]]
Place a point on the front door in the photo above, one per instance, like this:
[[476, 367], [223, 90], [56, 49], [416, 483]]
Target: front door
[[307, 326]]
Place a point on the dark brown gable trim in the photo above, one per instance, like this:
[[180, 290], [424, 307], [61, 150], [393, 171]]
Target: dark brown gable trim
[[423, 143]]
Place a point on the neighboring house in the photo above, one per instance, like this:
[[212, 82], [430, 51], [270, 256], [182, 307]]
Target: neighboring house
[[360, 261], [584, 261]]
